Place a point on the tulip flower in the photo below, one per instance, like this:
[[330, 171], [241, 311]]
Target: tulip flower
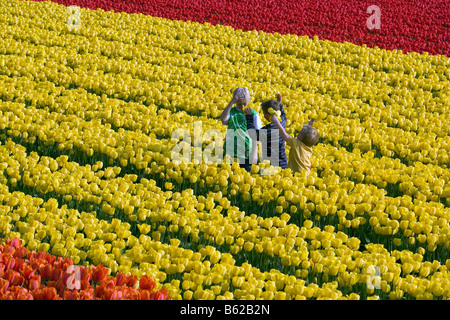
[[146, 283], [4, 284], [378, 173], [99, 273], [34, 282]]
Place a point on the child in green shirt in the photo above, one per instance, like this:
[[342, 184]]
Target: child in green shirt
[[240, 144]]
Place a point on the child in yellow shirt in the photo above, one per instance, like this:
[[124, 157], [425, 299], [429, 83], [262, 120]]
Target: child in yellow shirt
[[301, 147]]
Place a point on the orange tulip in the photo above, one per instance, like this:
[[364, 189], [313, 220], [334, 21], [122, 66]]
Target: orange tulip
[[146, 295], [15, 243], [116, 295], [18, 280], [20, 252], [9, 262], [147, 283], [48, 293], [46, 271], [71, 295], [56, 274], [162, 294], [4, 284], [121, 279], [87, 294], [34, 283], [99, 273], [132, 279], [27, 271]]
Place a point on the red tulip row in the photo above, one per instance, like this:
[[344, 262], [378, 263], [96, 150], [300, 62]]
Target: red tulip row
[[413, 25], [30, 275]]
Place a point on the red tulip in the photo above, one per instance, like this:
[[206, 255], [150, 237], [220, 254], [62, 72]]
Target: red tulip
[[106, 293], [71, 295], [4, 284], [9, 262], [132, 280], [18, 263], [20, 252], [20, 293], [116, 295], [46, 271], [109, 283], [27, 271], [146, 295], [162, 294], [99, 291], [15, 243], [147, 283], [121, 279], [49, 293], [87, 294], [56, 274], [84, 284], [99, 273], [10, 275], [18, 280], [49, 258], [60, 285], [7, 296], [133, 295], [85, 274], [34, 282]]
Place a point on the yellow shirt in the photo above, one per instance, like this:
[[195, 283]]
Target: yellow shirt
[[299, 155]]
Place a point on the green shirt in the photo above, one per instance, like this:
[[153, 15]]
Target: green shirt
[[237, 129]]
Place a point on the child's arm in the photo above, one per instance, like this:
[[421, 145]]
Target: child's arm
[[249, 118], [279, 126], [251, 121], [225, 116], [283, 113]]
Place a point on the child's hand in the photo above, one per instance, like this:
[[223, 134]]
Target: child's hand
[[279, 97], [311, 122], [273, 118], [248, 111]]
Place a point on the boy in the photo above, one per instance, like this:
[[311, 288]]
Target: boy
[[237, 134], [301, 147], [267, 130]]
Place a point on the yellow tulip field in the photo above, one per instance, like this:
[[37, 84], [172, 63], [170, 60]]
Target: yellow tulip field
[[86, 171]]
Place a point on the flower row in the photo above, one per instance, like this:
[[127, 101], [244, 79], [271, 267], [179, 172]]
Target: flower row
[[410, 26], [208, 272], [30, 275], [326, 197], [87, 237], [395, 107], [366, 137]]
